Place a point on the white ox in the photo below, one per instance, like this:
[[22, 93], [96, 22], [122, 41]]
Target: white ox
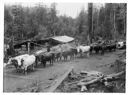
[[83, 49], [120, 44], [17, 58], [22, 61], [28, 61]]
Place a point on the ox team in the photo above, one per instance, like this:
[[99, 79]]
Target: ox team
[[24, 61]]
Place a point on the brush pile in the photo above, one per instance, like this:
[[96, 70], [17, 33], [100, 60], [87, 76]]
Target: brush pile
[[93, 81]]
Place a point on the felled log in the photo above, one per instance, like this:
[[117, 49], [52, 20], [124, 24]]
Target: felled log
[[89, 82], [75, 82], [113, 77], [90, 73], [88, 78], [110, 77], [59, 81]]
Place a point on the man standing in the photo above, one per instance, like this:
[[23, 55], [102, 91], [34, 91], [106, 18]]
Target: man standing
[[48, 47]]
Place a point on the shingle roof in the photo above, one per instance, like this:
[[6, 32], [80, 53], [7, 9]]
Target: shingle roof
[[63, 39]]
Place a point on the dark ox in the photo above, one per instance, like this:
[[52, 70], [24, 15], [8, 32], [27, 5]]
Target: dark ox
[[69, 53], [50, 57], [111, 47], [57, 56], [97, 49], [74, 52]]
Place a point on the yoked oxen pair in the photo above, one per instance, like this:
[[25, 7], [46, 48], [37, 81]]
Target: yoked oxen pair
[[57, 51], [46, 57], [110, 47], [68, 54], [23, 62], [65, 53], [103, 47], [83, 50], [57, 56], [98, 48]]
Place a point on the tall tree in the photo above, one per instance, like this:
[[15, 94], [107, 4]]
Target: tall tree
[[90, 22], [52, 19], [18, 21]]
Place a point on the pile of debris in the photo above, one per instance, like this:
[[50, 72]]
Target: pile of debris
[[93, 82]]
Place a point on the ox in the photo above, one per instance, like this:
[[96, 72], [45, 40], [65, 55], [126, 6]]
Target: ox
[[110, 47], [16, 61], [66, 54], [121, 45], [71, 52], [22, 61], [28, 61], [97, 48], [57, 56], [74, 52], [83, 49], [49, 57]]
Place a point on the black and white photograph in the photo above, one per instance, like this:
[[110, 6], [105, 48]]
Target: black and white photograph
[[64, 47]]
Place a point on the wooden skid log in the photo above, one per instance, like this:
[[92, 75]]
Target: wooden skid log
[[59, 81]]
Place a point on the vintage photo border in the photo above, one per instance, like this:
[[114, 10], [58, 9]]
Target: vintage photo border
[[2, 2]]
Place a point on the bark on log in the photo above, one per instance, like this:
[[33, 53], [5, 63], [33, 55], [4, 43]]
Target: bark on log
[[111, 77], [73, 83], [91, 73], [114, 76], [89, 82], [59, 81], [88, 78]]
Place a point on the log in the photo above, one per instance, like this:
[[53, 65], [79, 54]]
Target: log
[[91, 73], [89, 78], [89, 82], [75, 82], [84, 72], [59, 81], [113, 76]]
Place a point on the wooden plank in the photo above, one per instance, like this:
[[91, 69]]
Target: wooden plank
[[59, 81]]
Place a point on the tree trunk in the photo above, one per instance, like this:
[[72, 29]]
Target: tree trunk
[[90, 22], [115, 31], [125, 26]]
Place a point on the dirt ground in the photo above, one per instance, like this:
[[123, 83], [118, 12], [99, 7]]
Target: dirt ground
[[15, 82]]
